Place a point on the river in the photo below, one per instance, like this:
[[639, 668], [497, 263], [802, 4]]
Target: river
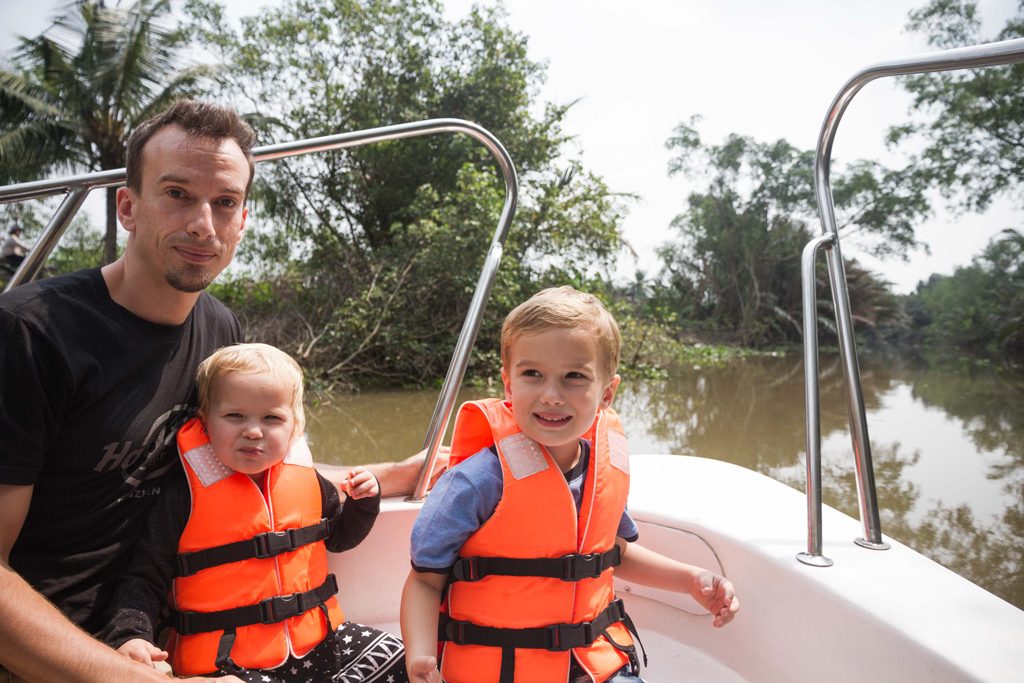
[[948, 443]]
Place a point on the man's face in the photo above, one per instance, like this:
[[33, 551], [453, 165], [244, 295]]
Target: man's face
[[188, 215]]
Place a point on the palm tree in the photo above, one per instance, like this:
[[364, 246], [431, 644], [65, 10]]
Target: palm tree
[[73, 94]]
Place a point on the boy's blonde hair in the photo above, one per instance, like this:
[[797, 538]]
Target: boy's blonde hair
[[569, 309], [261, 359]]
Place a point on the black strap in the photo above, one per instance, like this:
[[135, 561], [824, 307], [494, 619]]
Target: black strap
[[629, 650], [555, 638], [223, 662], [507, 672], [269, 544], [269, 611], [573, 567]]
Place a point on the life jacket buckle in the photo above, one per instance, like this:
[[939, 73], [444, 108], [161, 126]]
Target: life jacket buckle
[[577, 567], [467, 569], [281, 607], [564, 637], [274, 543], [455, 632]]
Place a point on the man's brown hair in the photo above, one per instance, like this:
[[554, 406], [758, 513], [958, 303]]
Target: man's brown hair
[[199, 119]]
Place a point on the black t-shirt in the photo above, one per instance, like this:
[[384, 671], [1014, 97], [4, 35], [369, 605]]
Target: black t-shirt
[[90, 399]]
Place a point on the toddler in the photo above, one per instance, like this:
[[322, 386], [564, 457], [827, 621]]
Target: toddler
[[240, 542]]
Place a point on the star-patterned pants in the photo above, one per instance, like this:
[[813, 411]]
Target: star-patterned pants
[[367, 656]]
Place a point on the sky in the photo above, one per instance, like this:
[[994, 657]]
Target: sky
[[767, 69]]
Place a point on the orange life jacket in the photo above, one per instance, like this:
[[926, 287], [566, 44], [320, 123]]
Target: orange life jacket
[[530, 579], [251, 586]]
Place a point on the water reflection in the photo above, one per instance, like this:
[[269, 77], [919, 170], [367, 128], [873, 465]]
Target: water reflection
[[948, 444]]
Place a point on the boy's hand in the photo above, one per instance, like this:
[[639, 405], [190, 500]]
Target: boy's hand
[[360, 483], [142, 651], [717, 595], [423, 670]]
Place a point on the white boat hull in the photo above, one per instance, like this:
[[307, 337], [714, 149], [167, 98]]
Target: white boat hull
[[889, 615]]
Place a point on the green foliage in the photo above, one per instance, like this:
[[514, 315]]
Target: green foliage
[[978, 309], [371, 254], [73, 94], [736, 265], [974, 131]]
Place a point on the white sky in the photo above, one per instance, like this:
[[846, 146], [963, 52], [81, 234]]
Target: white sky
[[763, 68]]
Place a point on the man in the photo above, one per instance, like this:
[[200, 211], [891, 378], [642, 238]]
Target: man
[[95, 378], [14, 249]]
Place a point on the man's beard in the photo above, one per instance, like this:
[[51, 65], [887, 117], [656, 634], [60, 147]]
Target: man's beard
[[189, 280]]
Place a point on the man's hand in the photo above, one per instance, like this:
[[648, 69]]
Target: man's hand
[[142, 651]]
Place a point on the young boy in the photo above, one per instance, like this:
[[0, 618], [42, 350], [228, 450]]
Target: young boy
[[524, 533], [241, 541]]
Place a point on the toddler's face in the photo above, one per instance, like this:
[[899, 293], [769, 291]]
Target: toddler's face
[[250, 422], [556, 383]]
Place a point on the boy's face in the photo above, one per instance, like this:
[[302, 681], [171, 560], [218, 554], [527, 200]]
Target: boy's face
[[556, 383], [250, 421]]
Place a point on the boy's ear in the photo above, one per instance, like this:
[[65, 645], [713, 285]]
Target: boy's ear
[[508, 384], [609, 391]]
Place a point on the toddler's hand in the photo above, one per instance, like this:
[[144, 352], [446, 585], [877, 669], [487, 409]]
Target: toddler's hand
[[423, 670], [360, 483], [717, 595], [142, 651]]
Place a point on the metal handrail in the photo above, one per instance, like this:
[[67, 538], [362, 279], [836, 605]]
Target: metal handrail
[[78, 187], [989, 54]]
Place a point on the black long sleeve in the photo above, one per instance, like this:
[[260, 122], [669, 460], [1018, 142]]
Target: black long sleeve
[[142, 591], [141, 594], [351, 522]]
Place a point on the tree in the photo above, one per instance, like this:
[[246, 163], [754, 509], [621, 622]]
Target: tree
[[974, 133], [74, 93], [737, 263], [368, 256], [980, 307]]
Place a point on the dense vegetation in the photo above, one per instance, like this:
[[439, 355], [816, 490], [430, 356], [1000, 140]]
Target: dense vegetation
[[361, 262]]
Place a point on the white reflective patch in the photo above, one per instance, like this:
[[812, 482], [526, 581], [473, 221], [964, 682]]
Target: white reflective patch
[[207, 467], [300, 453], [523, 455], [618, 451]]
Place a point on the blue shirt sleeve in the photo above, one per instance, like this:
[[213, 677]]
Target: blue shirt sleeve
[[628, 530], [460, 502]]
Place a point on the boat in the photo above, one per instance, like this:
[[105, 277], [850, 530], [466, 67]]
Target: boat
[[824, 596]]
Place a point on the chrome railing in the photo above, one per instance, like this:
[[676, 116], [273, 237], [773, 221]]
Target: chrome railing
[[78, 187], [990, 54]]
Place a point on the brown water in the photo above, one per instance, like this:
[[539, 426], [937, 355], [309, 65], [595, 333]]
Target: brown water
[[948, 444]]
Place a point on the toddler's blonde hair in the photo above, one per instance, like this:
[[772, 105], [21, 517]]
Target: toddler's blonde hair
[[261, 359]]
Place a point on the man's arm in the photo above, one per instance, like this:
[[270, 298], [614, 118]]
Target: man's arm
[[37, 642], [395, 478]]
